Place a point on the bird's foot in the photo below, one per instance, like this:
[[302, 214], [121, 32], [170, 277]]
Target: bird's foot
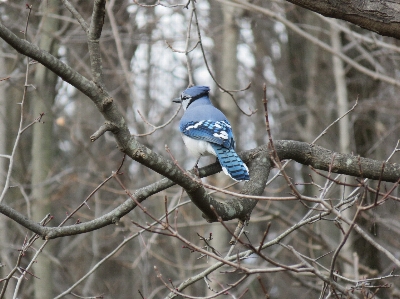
[[196, 171]]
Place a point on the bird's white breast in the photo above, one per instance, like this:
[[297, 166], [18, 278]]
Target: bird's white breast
[[198, 147]]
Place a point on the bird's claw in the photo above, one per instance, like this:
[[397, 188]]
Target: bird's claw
[[196, 171]]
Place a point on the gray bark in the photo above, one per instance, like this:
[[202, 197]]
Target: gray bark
[[381, 16]]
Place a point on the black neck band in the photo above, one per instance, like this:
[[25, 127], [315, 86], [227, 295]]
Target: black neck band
[[197, 97]]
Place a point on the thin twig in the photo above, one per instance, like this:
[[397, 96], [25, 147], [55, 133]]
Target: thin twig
[[274, 154], [209, 69], [335, 121], [11, 157], [76, 14], [155, 128], [279, 17]]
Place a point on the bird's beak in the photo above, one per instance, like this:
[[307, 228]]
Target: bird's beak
[[177, 100]]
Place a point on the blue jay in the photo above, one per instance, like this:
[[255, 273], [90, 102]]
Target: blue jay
[[206, 131]]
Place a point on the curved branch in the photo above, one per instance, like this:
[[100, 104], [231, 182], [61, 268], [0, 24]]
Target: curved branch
[[324, 159], [52, 63], [259, 165], [382, 17]]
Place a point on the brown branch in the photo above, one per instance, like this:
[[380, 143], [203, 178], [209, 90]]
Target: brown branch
[[274, 155], [377, 16], [321, 158], [36, 120], [345, 237], [257, 158]]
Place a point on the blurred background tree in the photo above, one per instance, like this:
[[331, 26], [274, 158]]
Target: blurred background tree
[[56, 166]]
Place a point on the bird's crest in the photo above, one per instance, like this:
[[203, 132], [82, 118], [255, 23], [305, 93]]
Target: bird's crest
[[193, 93]]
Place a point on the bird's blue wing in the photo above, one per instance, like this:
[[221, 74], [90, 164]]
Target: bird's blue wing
[[217, 132]]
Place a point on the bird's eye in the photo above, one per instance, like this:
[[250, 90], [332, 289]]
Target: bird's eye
[[185, 97]]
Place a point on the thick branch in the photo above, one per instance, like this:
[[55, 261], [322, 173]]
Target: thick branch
[[324, 159], [236, 208], [382, 17], [259, 165], [112, 217]]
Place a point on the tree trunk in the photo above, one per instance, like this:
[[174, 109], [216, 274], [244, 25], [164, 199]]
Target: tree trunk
[[344, 136], [43, 143], [5, 123], [227, 70]]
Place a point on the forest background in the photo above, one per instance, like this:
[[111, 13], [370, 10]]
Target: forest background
[[90, 150]]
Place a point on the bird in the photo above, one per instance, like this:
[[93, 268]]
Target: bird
[[206, 131]]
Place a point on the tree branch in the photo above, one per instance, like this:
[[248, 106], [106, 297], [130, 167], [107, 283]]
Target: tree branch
[[259, 165], [324, 159], [382, 17]]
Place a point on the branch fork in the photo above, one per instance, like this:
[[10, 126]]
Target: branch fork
[[108, 126]]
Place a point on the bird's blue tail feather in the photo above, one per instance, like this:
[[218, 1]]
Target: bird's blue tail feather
[[231, 164]]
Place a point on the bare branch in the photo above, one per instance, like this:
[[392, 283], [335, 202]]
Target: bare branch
[[95, 28], [20, 130], [367, 16], [76, 14], [209, 69], [155, 128]]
